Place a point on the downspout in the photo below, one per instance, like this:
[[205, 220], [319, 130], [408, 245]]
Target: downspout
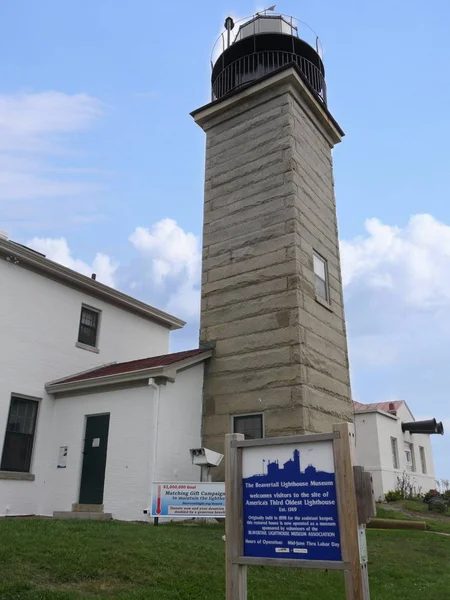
[[152, 472]]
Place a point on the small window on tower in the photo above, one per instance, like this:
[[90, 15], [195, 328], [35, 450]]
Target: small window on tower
[[88, 331], [321, 277], [250, 425]]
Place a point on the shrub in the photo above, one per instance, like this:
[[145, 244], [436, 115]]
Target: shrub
[[446, 497], [437, 505], [407, 487], [430, 495], [393, 496]]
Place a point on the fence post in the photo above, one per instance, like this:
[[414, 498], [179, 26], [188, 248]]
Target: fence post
[[236, 575], [356, 577]]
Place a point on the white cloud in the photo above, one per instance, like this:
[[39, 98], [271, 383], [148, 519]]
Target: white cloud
[[166, 272], [397, 293], [36, 118], [37, 152], [58, 250], [174, 264], [397, 300], [413, 262]]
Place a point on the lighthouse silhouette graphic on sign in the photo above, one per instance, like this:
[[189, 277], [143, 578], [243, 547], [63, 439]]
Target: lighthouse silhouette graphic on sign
[[290, 470]]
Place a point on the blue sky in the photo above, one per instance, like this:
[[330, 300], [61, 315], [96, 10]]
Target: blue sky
[[101, 165]]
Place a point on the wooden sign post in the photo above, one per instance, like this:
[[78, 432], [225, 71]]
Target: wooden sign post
[[292, 502]]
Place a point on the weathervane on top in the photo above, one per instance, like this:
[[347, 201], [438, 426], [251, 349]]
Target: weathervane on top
[[263, 12]]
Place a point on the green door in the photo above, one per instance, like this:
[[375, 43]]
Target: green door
[[94, 459]]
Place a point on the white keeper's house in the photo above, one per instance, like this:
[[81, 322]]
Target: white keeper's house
[[84, 418]]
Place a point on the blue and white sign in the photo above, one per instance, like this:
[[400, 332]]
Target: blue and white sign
[[290, 507], [188, 500]]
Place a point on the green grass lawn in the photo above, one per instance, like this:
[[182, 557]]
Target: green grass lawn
[[73, 560]]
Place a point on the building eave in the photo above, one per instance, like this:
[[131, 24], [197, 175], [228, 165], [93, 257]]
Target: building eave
[[28, 259], [375, 411], [111, 380], [167, 372]]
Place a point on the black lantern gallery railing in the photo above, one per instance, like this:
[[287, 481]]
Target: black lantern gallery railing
[[254, 66]]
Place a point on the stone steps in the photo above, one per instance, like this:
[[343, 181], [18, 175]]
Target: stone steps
[[88, 507]]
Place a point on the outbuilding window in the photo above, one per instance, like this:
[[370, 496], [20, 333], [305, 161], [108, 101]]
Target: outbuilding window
[[410, 458], [423, 459], [394, 448]]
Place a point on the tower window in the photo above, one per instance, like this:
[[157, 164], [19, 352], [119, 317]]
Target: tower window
[[19, 437], [250, 425], [88, 331], [321, 277]]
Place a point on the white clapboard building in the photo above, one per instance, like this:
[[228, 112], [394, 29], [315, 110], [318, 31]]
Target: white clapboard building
[[391, 454], [85, 415]]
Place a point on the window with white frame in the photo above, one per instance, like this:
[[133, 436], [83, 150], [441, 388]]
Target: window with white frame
[[89, 324], [410, 458], [394, 449], [423, 459], [321, 277], [250, 425], [19, 436]]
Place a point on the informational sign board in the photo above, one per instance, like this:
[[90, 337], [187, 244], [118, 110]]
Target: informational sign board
[[292, 502], [188, 500], [290, 507]]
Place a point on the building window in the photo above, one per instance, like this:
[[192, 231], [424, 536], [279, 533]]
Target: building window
[[423, 459], [410, 458], [88, 332], [19, 436], [321, 277], [394, 448], [250, 425]]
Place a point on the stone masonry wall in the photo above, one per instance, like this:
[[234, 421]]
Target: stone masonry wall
[[269, 201]]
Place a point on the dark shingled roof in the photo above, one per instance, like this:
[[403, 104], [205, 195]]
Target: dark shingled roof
[[384, 406], [136, 365]]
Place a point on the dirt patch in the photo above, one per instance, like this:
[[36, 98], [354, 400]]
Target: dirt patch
[[431, 515], [434, 515]]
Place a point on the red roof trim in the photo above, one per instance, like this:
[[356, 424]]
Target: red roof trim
[[163, 360], [384, 406]]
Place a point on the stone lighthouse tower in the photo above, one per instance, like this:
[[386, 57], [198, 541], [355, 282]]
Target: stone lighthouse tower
[[272, 304]]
